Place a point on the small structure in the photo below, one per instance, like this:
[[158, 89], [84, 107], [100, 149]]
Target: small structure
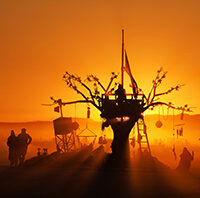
[[86, 132], [65, 134]]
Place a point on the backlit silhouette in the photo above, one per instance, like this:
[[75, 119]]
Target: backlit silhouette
[[119, 109], [185, 160], [24, 139], [13, 145]]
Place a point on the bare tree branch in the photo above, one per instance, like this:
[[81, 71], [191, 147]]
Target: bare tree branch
[[72, 102], [176, 88], [96, 100], [114, 76], [91, 78], [94, 78], [70, 79], [82, 101], [185, 108], [156, 82]]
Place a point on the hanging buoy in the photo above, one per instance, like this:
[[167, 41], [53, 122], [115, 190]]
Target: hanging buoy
[[159, 124]]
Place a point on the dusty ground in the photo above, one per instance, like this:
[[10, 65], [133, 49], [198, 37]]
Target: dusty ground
[[93, 174]]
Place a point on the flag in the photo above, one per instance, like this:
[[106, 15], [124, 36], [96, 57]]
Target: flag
[[128, 71], [57, 109]]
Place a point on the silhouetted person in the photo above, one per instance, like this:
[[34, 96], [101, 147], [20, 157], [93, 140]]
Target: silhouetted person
[[24, 140], [185, 161], [39, 153], [120, 94], [45, 151], [12, 144]]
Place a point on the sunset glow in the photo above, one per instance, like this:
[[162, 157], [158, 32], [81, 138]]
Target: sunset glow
[[41, 41], [100, 98]]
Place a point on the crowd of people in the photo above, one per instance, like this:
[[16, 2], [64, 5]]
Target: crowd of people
[[18, 146]]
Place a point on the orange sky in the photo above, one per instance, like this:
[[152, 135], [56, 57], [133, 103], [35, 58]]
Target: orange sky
[[40, 40]]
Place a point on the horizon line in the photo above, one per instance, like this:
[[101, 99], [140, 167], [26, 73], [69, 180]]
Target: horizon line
[[91, 118]]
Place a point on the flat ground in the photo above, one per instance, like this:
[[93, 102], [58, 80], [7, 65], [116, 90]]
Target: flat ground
[[94, 174]]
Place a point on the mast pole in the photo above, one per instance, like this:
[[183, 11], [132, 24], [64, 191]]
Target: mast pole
[[122, 67]]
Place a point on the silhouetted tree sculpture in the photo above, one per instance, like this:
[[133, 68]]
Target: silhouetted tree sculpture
[[119, 111]]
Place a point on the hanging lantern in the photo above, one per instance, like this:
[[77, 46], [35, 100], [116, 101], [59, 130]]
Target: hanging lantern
[[179, 132], [182, 115], [88, 112], [159, 124]]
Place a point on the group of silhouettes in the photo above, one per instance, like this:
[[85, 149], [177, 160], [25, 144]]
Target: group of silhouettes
[[18, 146]]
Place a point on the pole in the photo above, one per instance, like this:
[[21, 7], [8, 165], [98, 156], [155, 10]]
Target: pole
[[122, 68], [61, 112], [60, 105]]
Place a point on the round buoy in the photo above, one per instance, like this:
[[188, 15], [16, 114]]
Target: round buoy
[[159, 124]]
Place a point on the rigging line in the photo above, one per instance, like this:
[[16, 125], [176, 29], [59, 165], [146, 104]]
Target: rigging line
[[88, 115], [174, 140], [164, 113], [159, 113], [75, 111], [173, 118]]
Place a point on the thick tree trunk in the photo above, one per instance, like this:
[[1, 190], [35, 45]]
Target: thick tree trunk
[[120, 144]]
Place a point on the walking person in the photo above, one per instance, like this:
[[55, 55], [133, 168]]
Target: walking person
[[24, 139], [185, 160], [12, 144]]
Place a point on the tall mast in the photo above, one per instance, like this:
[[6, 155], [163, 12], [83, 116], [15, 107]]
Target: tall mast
[[122, 68]]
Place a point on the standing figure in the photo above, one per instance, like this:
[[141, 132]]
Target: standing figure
[[120, 94], [12, 144], [39, 153], [185, 161], [24, 140], [45, 151]]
